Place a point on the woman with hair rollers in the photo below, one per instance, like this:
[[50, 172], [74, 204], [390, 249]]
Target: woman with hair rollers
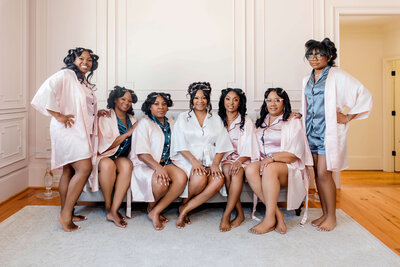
[[68, 97], [199, 142], [327, 92]]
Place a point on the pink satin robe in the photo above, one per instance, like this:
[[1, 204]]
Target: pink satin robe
[[294, 140], [62, 92], [148, 138], [341, 91], [108, 132]]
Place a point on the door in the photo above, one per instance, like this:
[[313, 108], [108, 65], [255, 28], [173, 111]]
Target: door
[[396, 109]]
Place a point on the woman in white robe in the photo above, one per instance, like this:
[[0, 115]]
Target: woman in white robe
[[327, 92], [155, 179], [232, 110], [113, 168], [284, 153], [68, 97], [199, 142]]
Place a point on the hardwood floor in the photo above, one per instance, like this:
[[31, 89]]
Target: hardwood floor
[[372, 198]]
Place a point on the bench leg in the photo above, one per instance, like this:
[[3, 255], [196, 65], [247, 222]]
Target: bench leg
[[129, 203], [298, 211]]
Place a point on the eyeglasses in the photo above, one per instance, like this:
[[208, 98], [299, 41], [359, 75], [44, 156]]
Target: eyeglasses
[[312, 57], [276, 100]]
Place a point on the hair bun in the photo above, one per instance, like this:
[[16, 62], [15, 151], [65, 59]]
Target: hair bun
[[193, 87]]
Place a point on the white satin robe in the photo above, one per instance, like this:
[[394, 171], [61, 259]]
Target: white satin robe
[[341, 91], [203, 142], [108, 132], [62, 92], [148, 138]]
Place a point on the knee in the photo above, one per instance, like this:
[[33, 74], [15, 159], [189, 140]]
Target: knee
[[323, 175], [252, 173], [181, 179], [125, 166], [270, 171], [198, 181]]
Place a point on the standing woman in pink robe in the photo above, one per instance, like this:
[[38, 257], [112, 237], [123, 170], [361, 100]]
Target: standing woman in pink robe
[[113, 163], [232, 110], [327, 92], [284, 153], [68, 96]]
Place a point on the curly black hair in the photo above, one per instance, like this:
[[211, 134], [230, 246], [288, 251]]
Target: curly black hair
[[326, 48], [241, 109], [151, 98], [206, 88], [72, 55], [287, 108], [119, 92]]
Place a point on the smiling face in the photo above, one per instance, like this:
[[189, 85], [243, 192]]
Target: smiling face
[[231, 102], [275, 104], [317, 61], [84, 62], [123, 103], [200, 101], [159, 108]]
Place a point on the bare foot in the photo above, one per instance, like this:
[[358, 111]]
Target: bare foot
[[163, 219], [155, 218], [78, 218], [328, 225], [122, 217], [317, 222], [225, 225], [264, 227], [238, 220], [280, 222], [68, 226], [180, 222], [115, 218], [186, 217]]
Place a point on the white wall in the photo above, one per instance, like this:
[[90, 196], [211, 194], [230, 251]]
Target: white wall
[[13, 97], [153, 45]]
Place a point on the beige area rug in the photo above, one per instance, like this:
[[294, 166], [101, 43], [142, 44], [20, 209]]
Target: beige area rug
[[33, 237]]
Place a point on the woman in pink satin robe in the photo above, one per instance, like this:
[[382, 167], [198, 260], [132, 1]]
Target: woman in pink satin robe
[[114, 168], [284, 155], [68, 97], [327, 92], [155, 179], [232, 110]]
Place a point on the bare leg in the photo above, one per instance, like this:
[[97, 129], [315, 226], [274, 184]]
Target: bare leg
[[254, 179], [159, 190], [318, 221], [328, 193], [196, 185], [107, 177], [274, 176], [175, 188], [234, 186], [124, 172], [82, 170], [213, 186]]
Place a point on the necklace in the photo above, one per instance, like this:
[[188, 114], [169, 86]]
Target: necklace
[[233, 118]]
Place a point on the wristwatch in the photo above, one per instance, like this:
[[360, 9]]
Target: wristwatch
[[271, 156]]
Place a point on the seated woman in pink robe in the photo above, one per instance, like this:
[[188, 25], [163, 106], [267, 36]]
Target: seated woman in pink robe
[[114, 168], [68, 97], [155, 179], [232, 110], [284, 153]]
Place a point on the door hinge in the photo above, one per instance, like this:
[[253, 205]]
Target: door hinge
[[393, 73], [393, 153], [393, 113]]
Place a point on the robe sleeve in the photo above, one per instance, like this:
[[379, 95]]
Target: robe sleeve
[[106, 136], [358, 98], [142, 138], [47, 95], [249, 147], [178, 142], [295, 142], [223, 143]]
